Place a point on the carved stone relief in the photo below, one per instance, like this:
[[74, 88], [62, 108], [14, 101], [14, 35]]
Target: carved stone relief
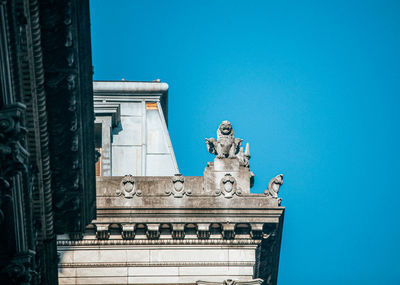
[[128, 187], [228, 187], [273, 187], [178, 187], [13, 156]]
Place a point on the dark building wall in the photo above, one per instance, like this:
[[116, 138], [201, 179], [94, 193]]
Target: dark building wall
[[47, 179]]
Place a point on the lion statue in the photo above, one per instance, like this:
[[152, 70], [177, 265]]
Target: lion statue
[[225, 146]]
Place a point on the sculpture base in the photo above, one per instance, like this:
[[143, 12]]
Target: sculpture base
[[216, 171]]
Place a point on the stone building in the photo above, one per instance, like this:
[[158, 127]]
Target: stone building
[[151, 225], [156, 226], [47, 158]]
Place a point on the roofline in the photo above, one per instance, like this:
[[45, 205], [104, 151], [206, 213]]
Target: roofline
[[130, 86]]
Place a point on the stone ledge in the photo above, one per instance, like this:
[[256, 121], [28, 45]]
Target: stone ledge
[[153, 264], [96, 242]]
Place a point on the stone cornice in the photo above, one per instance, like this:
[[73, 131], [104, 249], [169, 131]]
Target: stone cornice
[[111, 110], [145, 242], [129, 87], [152, 264]]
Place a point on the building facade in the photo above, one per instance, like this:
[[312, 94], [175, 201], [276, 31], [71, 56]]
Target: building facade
[[131, 129], [156, 226], [47, 155]]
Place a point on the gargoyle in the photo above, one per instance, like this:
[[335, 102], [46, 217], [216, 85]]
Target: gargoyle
[[273, 186], [225, 146]]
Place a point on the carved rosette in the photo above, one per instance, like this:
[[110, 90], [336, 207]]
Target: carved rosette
[[178, 187], [228, 187], [128, 187]]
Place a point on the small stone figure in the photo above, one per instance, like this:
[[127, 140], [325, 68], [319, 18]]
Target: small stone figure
[[273, 186], [244, 157], [225, 146]]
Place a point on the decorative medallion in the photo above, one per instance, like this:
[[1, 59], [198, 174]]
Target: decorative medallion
[[228, 187], [128, 187], [178, 187]]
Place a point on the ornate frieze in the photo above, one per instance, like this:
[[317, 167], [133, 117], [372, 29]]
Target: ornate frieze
[[128, 187], [211, 241], [67, 85], [228, 231]]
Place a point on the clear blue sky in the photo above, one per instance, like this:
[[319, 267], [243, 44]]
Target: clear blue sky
[[313, 86]]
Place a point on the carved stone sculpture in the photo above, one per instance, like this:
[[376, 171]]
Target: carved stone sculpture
[[244, 157], [13, 156], [228, 186], [128, 187], [225, 146], [178, 188], [273, 186]]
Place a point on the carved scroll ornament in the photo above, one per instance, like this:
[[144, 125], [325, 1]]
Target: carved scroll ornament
[[273, 187]]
